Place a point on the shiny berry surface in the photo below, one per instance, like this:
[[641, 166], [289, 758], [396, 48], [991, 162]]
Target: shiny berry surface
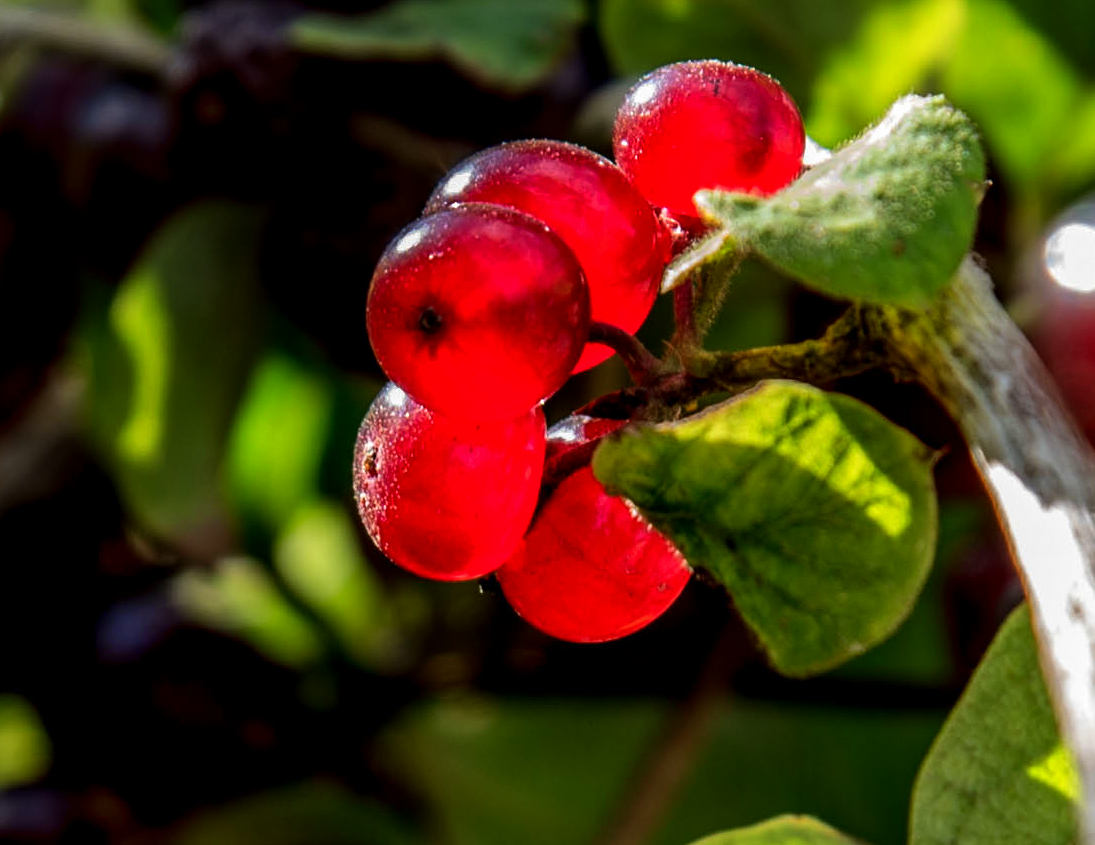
[[590, 569], [589, 203], [478, 311], [571, 442], [708, 124], [446, 499]]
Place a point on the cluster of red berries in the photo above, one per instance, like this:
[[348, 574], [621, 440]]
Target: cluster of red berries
[[481, 309]]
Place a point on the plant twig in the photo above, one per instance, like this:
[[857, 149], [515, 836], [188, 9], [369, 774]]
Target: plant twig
[[674, 753], [1039, 471], [642, 365]]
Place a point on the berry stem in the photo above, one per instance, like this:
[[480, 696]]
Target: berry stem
[[643, 367]]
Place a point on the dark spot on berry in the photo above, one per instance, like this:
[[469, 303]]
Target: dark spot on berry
[[368, 460], [429, 321]]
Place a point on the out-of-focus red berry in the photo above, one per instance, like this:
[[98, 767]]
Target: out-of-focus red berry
[[707, 124], [591, 569], [589, 203], [446, 499], [478, 311]]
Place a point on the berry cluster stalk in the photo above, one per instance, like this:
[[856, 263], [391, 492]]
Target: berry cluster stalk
[[1039, 471]]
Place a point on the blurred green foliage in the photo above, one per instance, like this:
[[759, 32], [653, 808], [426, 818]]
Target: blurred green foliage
[[25, 750]]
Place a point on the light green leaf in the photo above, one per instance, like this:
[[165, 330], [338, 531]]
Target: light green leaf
[[168, 362], [785, 830], [318, 555], [998, 771], [238, 597], [501, 43], [24, 745], [277, 441], [887, 219], [816, 513]]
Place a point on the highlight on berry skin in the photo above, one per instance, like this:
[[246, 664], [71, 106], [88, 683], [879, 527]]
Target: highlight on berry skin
[[709, 124], [591, 569], [443, 498], [588, 202], [478, 311]]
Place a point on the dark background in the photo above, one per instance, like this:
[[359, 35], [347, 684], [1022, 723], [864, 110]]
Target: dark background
[[200, 643]]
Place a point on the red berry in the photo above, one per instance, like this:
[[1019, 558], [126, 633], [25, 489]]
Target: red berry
[[695, 125], [589, 203], [591, 569], [478, 311], [447, 499], [570, 444]]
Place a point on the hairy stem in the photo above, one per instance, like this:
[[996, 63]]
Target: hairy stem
[[1039, 471]]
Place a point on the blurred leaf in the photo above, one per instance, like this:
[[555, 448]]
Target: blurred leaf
[[530, 771], [504, 44], [237, 597], [277, 441], [888, 218], [988, 58], [897, 49], [853, 766], [784, 830], [816, 513], [786, 38], [24, 745], [319, 556], [998, 772], [1016, 85], [304, 814], [167, 367]]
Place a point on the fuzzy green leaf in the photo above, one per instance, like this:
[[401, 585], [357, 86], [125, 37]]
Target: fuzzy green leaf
[[887, 219], [502, 44], [784, 830], [998, 771], [816, 513]]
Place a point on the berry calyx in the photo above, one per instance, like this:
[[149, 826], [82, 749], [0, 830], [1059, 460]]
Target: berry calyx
[[443, 498], [478, 311], [589, 203], [707, 124], [591, 569]]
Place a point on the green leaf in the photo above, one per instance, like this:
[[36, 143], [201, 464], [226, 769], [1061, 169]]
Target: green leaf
[[24, 745], [238, 597], [887, 219], [816, 513], [276, 446], [785, 830], [167, 364], [301, 814], [1015, 67], [319, 557], [508, 45], [786, 38], [998, 771]]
